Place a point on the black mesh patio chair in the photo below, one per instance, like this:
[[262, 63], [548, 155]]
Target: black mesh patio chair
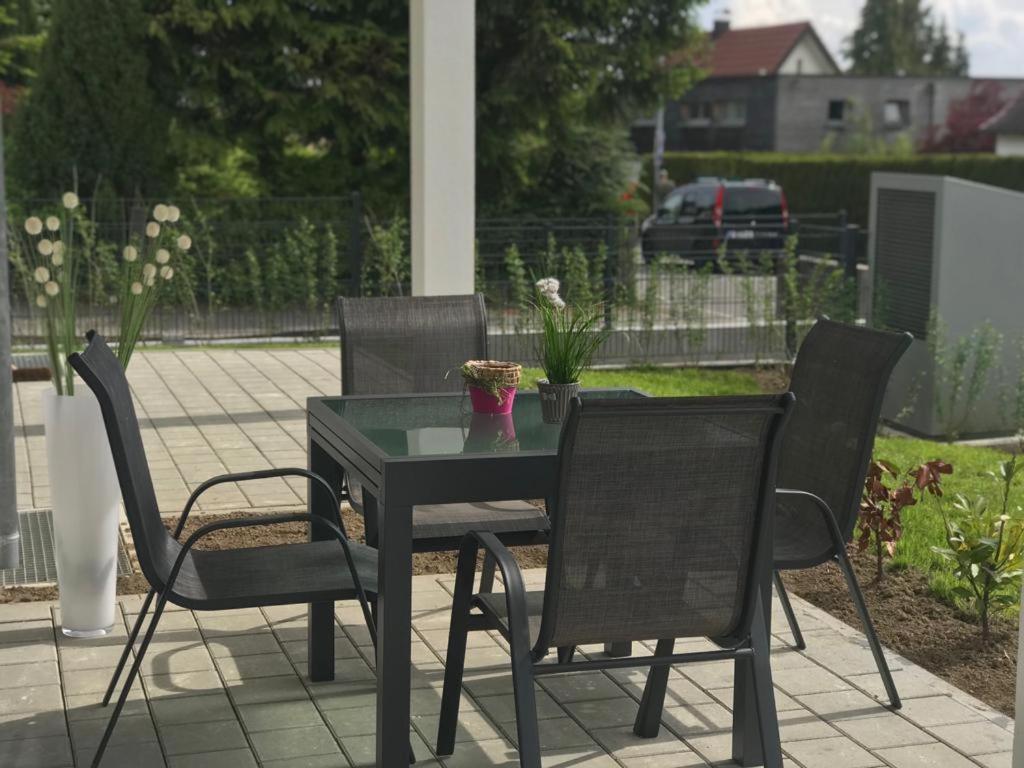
[[207, 580], [661, 530], [839, 380], [416, 345]]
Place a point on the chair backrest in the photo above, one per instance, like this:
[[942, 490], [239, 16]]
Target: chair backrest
[[102, 372], [409, 344], [839, 380], [663, 518]]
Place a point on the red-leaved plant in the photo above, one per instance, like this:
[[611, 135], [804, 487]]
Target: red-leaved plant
[[881, 506]]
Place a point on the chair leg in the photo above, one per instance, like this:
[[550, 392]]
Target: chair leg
[[455, 660], [869, 628], [652, 703], [566, 653], [764, 693], [132, 674], [132, 637], [787, 608], [527, 728]]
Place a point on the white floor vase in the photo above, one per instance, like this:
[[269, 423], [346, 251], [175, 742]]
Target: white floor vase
[[86, 506]]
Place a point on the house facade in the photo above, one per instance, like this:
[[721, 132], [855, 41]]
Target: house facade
[[1008, 128], [778, 89]]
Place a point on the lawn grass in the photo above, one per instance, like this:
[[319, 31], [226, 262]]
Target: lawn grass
[[923, 526]]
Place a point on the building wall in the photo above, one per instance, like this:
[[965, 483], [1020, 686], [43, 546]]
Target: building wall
[[757, 131], [807, 58], [802, 111], [1010, 144]]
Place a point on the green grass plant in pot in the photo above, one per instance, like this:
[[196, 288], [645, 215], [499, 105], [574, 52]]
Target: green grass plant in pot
[[569, 338]]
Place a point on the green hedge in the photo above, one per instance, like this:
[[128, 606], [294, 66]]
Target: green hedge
[[827, 183]]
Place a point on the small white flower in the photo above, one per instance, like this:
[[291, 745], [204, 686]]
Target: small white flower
[[152, 229], [148, 270], [58, 247], [184, 242], [130, 253], [166, 272], [41, 301], [136, 288], [58, 256], [45, 247], [149, 281], [51, 288], [163, 256], [70, 200], [173, 213], [52, 223], [42, 274], [161, 212], [33, 225]]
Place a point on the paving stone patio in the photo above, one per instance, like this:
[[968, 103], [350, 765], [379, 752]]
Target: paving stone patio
[[229, 689]]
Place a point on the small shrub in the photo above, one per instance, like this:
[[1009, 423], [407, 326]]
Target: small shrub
[[880, 523], [962, 371], [985, 543]]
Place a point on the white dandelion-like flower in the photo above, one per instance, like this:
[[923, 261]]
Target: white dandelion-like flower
[[42, 274], [149, 281], [51, 288], [33, 225], [70, 200], [58, 247], [45, 247], [41, 301], [173, 213], [163, 256], [152, 229], [130, 253], [52, 223], [136, 288], [161, 212], [148, 270], [184, 242], [166, 272], [58, 256]]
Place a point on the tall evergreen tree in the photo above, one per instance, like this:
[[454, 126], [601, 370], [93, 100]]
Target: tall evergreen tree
[[91, 110], [901, 37]]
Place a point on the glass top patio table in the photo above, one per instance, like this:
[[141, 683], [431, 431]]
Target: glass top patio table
[[444, 425]]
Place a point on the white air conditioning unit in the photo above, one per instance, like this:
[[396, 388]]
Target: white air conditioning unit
[[954, 250]]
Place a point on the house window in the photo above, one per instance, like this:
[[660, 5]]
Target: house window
[[731, 112], [836, 110], [896, 113], [696, 113]]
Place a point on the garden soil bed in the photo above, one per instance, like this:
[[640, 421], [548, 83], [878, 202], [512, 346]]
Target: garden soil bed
[[913, 622], [909, 619]]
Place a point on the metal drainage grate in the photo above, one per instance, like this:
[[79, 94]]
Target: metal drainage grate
[[38, 565]]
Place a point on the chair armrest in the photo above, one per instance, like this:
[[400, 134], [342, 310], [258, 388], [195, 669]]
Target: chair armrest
[[260, 474], [296, 517], [511, 575], [823, 507]]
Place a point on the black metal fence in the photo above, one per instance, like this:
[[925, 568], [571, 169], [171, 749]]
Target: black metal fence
[[269, 269]]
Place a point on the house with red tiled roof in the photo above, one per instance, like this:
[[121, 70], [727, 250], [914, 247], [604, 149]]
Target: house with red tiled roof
[[778, 88]]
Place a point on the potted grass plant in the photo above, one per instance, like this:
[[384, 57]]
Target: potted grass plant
[[84, 489], [569, 338]]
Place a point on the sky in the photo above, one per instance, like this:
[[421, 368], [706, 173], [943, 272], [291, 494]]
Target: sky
[[994, 29]]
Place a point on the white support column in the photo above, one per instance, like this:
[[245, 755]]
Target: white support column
[[442, 51]]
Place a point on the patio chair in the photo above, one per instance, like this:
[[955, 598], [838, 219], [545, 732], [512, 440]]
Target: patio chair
[[206, 580], [839, 381], [416, 345], [662, 530]]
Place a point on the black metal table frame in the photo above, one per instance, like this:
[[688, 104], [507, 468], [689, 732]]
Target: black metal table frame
[[394, 485]]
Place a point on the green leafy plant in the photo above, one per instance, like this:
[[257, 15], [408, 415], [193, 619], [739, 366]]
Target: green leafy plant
[[387, 268], [962, 371], [985, 543], [880, 524], [570, 336]]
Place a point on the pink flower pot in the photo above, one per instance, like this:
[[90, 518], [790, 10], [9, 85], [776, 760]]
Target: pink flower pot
[[484, 402]]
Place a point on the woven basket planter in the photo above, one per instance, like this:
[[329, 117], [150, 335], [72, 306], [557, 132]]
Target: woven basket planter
[[555, 399], [492, 384]]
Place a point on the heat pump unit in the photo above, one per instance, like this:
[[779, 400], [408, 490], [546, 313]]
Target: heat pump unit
[[949, 254]]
